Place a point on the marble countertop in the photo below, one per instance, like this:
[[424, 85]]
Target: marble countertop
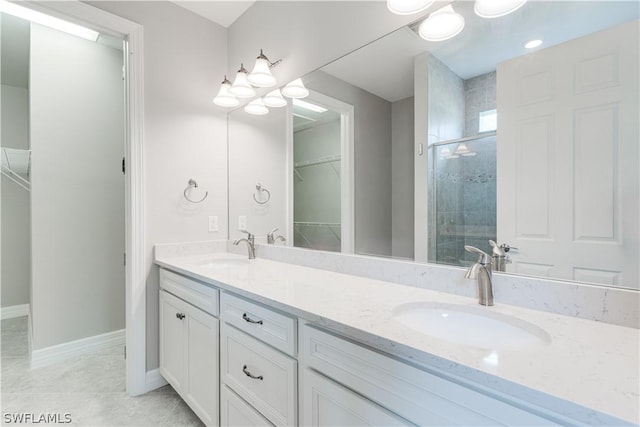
[[587, 372]]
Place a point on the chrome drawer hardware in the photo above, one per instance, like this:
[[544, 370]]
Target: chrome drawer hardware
[[250, 320], [180, 316], [247, 373]]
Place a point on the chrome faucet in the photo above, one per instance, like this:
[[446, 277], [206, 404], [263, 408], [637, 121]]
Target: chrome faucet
[[251, 243], [481, 270], [500, 257], [271, 239]]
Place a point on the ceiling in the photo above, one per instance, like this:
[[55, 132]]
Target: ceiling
[[221, 12], [385, 67]]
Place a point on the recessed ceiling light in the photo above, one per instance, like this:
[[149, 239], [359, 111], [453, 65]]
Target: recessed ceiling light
[[496, 8], [531, 44], [408, 7], [441, 25]]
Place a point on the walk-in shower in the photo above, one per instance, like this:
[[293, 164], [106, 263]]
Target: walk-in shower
[[462, 198]]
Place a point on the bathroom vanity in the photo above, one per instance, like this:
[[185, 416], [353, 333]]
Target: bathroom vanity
[[259, 342]]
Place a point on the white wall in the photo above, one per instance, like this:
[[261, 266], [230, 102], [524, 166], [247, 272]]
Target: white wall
[[402, 143], [77, 142], [308, 34], [257, 154], [184, 132], [16, 227]]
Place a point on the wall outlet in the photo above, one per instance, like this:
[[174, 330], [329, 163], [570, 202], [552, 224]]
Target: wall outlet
[[242, 222], [213, 224]]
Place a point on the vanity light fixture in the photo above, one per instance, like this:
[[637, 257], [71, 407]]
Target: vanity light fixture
[[261, 75], [295, 89], [496, 8], [241, 87], [441, 25], [532, 44], [31, 15], [408, 7], [309, 106], [256, 107], [224, 98], [274, 99], [463, 150]]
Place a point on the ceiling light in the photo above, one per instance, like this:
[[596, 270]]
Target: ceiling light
[[261, 75], [531, 44], [48, 21], [463, 150], [309, 106], [256, 107], [408, 7], [295, 89], [224, 98], [274, 99], [441, 25], [241, 87], [496, 8]]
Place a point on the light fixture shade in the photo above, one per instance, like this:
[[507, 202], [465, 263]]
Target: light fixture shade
[[408, 7], [295, 89], [261, 75], [241, 87], [496, 8], [256, 107], [441, 25], [274, 99], [532, 44], [224, 98]]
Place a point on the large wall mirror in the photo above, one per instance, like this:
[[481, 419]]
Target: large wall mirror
[[413, 149]]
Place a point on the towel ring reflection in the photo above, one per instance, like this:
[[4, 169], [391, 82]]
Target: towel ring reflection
[[194, 184], [261, 190]]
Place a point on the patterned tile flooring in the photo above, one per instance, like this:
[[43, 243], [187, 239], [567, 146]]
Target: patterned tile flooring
[[89, 390]]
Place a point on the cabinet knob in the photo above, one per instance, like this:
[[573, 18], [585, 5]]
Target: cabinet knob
[[180, 316], [250, 320], [250, 375]]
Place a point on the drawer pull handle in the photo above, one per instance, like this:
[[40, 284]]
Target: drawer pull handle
[[250, 320], [247, 373], [180, 316]]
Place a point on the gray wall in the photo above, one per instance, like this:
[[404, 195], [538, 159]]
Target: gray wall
[[402, 143], [185, 133], [317, 191], [16, 224], [76, 123], [372, 161], [479, 95]]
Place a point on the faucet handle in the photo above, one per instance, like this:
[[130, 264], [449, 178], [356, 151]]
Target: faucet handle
[[250, 235], [483, 257], [272, 231]]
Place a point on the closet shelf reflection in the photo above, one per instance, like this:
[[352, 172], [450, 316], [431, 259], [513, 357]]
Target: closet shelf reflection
[[320, 161]]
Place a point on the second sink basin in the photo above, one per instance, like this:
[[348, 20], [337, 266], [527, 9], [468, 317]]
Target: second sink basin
[[471, 326]]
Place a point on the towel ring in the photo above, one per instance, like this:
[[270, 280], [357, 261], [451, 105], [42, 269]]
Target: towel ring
[[193, 184], [261, 189]]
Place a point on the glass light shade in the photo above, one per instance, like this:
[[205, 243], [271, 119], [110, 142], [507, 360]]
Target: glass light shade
[[295, 89], [496, 8], [224, 98], [408, 7], [532, 44], [241, 87], [261, 75], [441, 25], [256, 107], [274, 99]]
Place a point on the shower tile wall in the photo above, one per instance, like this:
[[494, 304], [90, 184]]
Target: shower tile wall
[[465, 200]]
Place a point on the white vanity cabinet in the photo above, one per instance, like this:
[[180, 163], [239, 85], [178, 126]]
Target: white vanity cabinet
[[189, 339], [257, 364]]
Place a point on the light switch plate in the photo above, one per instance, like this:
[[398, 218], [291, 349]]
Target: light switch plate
[[242, 222], [213, 224]]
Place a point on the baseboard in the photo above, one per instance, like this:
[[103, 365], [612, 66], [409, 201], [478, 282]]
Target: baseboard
[[58, 353], [155, 380], [14, 311]]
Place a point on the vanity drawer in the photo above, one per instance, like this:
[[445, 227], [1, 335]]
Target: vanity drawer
[[414, 394], [270, 326], [264, 377], [202, 296], [235, 412]]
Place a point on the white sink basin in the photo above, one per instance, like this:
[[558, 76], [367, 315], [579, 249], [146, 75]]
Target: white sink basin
[[471, 326]]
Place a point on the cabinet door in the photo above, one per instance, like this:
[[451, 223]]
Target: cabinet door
[[173, 348], [327, 403], [235, 412], [202, 383]]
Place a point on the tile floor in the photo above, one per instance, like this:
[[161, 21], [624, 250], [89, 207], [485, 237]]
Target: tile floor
[[90, 388]]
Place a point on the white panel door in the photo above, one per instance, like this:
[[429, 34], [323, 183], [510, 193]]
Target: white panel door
[[173, 349], [568, 183]]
